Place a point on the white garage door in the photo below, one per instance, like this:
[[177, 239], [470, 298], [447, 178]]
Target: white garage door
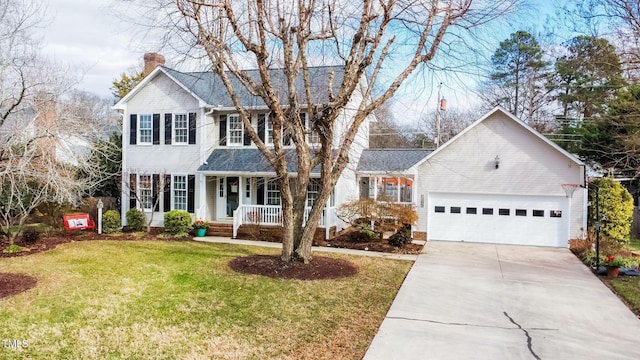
[[522, 220]]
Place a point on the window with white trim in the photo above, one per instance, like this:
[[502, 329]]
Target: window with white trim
[[312, 135], [145, 188], [145, 129], [234, 130], [273, 192], [268, 129], [180, 129], [179, 185], [313, 189]]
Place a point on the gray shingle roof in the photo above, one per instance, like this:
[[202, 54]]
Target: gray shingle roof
[[209, 87], [390, 160], [244, 160]]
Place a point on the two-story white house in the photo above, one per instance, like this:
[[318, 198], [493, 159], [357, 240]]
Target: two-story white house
[[185, 147], [498, 181]]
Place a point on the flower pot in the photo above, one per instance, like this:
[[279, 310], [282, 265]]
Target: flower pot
[[612, 272], [202, 232]]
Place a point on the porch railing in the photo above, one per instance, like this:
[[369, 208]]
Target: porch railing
[[272, 215]]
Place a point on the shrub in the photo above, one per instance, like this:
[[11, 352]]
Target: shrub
[[30, 236], [363, 235], [111, 222], [400, 238], [177, 222], [135, 219], [616, 208]]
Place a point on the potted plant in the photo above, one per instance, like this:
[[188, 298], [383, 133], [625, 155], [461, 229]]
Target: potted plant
[[613, 265], [201, 227]]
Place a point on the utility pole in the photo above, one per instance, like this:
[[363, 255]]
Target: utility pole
[[441, 106]]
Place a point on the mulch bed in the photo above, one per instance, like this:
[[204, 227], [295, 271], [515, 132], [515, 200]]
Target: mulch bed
[[11, 284], [343, 240], [320, 267]]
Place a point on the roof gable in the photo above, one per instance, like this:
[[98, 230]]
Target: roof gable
[[208, 88], [528, 129]]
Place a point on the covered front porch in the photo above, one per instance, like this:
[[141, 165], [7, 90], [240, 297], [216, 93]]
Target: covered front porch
[[242, 199]]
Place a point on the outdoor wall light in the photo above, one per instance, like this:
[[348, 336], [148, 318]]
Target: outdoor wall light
[[497, 160]]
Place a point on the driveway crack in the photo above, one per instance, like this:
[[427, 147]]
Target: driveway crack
[[466, 324], [529, 340]]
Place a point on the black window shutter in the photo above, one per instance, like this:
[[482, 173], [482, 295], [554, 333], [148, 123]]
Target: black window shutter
[[247, 138], [133, 179], [261, 127], [156, 192], [133, 129], [167, 129], [192, 128], [223, 130], [167, 193], [156, 129], [191, 195]]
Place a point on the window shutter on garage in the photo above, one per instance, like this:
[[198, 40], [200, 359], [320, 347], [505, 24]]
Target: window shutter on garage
[[167, 193], [167, 129], [133, 178], [156, 129], [191, 185], [223, 130], [133, 129], [192, 128]]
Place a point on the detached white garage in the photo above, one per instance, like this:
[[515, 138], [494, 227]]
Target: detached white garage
[[500, 181], [504, 219]]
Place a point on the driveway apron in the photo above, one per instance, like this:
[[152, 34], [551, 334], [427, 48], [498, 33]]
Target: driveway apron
[[485, 301]]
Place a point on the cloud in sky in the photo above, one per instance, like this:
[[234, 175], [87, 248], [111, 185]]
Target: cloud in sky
[[89, 38]]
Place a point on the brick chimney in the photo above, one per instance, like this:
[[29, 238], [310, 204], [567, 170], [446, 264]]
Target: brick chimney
[[151, 61], [46, 122]]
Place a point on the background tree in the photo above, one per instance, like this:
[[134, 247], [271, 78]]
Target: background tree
[[452, 122], [385, 133], [126, 83], [587, 77], [518, 77], [295, 35]]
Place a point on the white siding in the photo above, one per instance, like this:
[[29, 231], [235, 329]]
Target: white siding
[[528, 166]]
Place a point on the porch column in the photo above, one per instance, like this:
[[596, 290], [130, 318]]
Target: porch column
[[375, 188], [398, 190], [201, 204]]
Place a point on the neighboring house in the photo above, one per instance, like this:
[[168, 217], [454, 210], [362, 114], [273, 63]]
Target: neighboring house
[[185, 147], [498, 181]]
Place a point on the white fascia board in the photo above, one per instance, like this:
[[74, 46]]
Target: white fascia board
[[514, 119]]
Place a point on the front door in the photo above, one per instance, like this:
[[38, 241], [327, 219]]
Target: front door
[[233, 194]]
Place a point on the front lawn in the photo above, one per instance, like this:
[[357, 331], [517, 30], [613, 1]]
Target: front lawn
[[178, 300], [629, 289]]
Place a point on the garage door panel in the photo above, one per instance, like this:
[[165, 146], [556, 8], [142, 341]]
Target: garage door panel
[[498, 219]]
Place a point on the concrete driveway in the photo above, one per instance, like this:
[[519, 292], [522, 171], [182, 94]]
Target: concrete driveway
[[483, 301]]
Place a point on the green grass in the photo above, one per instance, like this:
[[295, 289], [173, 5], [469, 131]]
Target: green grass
[[177, 300], [629, 289]]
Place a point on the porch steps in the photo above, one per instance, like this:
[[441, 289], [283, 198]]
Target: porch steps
[[220, 229]]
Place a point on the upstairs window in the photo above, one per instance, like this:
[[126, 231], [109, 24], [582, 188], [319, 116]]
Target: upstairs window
[[145, 130], [234, 130], [312, 136], [180, 129], [268, 130]]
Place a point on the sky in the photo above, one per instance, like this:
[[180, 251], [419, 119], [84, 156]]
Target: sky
[[89, 37]]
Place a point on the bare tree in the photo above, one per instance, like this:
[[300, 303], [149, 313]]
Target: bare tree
[[41, 151], [452, 122], [292, 36]]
